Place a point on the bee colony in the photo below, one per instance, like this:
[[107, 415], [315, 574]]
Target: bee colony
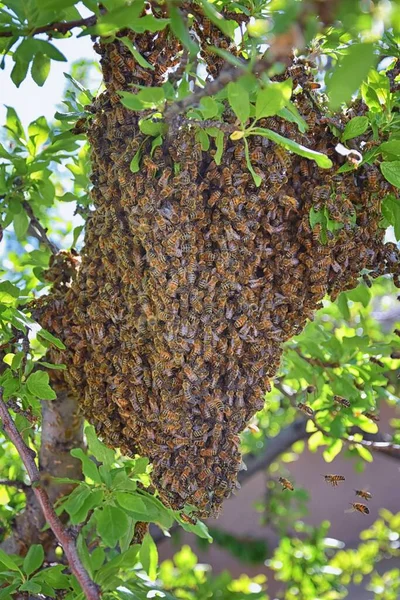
[[191, 277]]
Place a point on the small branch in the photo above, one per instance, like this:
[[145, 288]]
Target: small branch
[[57, 27], [315, 362], [274, 447], [65, 540], [19, 485], [38, 230], [230, 73]]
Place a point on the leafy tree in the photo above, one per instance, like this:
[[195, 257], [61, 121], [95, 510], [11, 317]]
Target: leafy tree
[[74, 522]]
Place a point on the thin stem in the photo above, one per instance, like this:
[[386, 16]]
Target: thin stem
[[65, 540], [38, 230], [56, 27]]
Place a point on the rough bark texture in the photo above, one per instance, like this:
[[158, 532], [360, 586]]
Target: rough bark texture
[[62, 430], [192, 277]]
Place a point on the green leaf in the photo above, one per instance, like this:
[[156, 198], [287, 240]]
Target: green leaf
[[34, 559], [154, 144], [49, 337], [239, 100], [21, 224], [20, 68], [390, 149], [8, 562], [77, 497], [321, 159], [30, 586], [131, 101], [316, 217], [272, 98], [136, 54], [116, 19], [151, 97], [364, 453], [111, 524], [180, 30], [40, 68], [357, 126], [148, 556], [135, 162], [38, 385], [219, 142], [92, 501], [131, 502], [153, 128], [257, 179], [149, 23], [89, 468], [330, 453], [360, 294], [343, 306], [227, 27], [290, 113], [209, 107], [391, 172], [99, 450], [391, 211], [199, 529], [351, 70]]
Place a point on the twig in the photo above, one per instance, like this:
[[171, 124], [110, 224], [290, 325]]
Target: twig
[[230, 73], [20, 485], [38, 230], [65, 540], [57, 27]]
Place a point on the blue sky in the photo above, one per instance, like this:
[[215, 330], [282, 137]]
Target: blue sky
[[31, 101]]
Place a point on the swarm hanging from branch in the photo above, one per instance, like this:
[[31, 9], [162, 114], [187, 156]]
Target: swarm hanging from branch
[[192, 277]]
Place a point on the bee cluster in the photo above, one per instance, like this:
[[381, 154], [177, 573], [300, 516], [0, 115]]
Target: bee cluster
[[192, 278]]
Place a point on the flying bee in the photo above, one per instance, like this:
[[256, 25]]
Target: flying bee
[[371, 416], [397, 332], [363, 494], [310, 389], [306, 409], [376, 361], [360, 508], [395, 354], [333, 479], [286, 484], [341, 401]]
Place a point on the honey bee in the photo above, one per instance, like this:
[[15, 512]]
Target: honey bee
[[286, 484], [397, 332], [150, 166], [240, 321], [306, 409], [283, 157], [363, 494], [310, 389], [360, 507], [376, 361], [341, 401], [227, 176], [120, 78], [371, 416], [333, 479], [395, 354]]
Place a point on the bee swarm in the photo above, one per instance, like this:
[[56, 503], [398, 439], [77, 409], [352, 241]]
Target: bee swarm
[[192, 278]]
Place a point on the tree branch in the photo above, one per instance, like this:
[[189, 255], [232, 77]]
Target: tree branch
[[38, 231], [19, 485], [56, 27], [65, 540]]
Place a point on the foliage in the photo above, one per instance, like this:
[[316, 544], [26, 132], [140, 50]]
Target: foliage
[[344, 352]]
